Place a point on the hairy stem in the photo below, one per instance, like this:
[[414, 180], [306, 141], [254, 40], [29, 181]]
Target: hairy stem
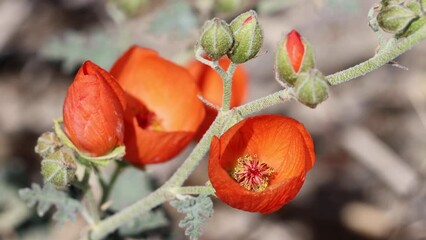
[[207, 190], [381, 58], [107, 190], [265, 102], [227, 86], [160, 195]]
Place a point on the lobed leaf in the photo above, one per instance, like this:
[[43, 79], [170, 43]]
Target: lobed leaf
[[48, 196], [197, 210]]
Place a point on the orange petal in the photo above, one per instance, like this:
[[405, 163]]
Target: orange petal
[[164, 87], [147, 147], [295, 49], [90, 68], [92, 113], [279, 141], [168, 91]]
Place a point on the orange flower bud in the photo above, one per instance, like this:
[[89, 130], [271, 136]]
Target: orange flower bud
[[294, 55], [260, 164], [211, 88], [93, 111], [163, 110]]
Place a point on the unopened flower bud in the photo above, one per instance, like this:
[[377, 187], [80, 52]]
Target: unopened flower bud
[[311, 88], [93, 111], [386, 3], [47, 143], [395, 18], [216, 38], [248, 37], [59, 168], [415, 24], [294, 55]]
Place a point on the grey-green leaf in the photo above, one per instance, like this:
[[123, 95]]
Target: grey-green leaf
[[47, 197], [197, 210]]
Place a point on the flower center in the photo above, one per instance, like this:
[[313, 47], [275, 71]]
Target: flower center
[[146, 119], [251, 174]]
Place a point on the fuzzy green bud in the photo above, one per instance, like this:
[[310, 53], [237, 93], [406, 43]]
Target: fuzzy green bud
[[417, 23], [59, 168], [311, 88], [294, 55], [216, 38], [47, 143], [396, 18], [248, 37]]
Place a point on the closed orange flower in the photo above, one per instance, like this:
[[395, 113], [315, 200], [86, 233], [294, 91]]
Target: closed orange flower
[[211, 88], [163, 111], [93, 111], [260, 164]]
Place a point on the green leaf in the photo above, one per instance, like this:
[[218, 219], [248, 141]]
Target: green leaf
[[197, 210], [47, 197]]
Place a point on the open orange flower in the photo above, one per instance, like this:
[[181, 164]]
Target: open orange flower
[[93, 111], [211, 87], [163, 111], [260, 164]]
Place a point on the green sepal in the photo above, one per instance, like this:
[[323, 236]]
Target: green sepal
[[396, 18], [217, 38], [116, 154], [248, 37], [311, 88], [59, 168], [283, 64]]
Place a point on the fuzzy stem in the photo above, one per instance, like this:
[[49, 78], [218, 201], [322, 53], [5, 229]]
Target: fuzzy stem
[[195, 190], [103, 228], [107, 190], [265, 102], [383, 57], [227, 86], [159, 196]]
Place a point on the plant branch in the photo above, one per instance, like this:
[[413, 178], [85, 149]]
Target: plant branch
[[107, 190], [265, 102], [193, 190], [227, 86], [395, 49]]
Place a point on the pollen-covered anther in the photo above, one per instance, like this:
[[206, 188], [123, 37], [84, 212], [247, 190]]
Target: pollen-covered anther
[[251, 174]]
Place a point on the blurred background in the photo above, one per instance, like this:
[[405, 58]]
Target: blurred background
[[370, 135]]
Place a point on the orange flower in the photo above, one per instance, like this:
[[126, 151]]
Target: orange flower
[[260, 164], [93, 111], [163, 110], [211, 88]]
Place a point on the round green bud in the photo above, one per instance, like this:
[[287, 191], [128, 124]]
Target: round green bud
[[59, 168], [417, 23], [47, 143], [311, 88], [395, 18], [248, 37], [216, 39], [294, 55]]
